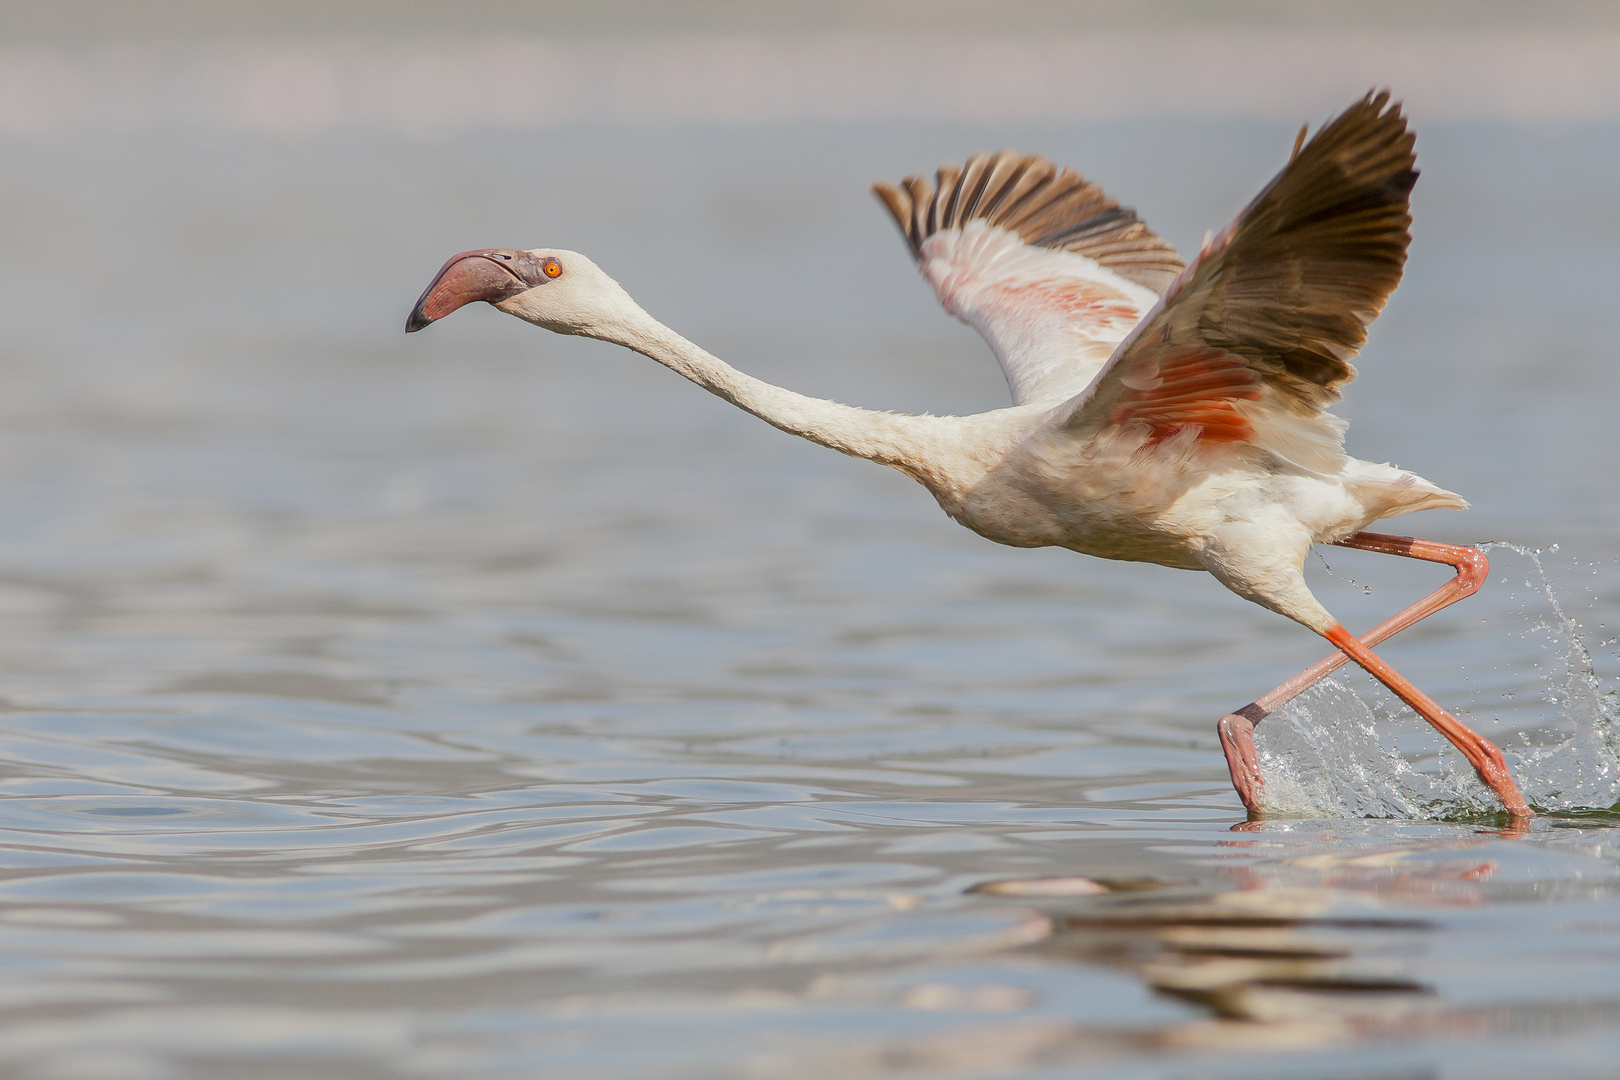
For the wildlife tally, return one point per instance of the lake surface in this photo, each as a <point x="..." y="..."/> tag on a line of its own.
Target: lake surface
<point x="487" y="704"/>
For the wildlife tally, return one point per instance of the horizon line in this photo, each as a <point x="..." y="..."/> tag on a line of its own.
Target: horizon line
<point x="426" y="88"/>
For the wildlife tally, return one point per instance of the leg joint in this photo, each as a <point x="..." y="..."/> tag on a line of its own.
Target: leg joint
<point x="1472" y="569"/>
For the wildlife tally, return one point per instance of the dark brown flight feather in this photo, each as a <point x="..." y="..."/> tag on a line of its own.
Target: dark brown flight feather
<point x="1291" y="285"/>
<point x="1027" y="195"/>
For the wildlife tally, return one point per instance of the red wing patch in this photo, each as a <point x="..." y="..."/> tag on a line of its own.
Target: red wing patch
<point x="1191" y="388"/>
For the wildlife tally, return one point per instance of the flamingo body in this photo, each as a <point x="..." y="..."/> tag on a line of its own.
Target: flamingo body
<point x="1163" y="412"/>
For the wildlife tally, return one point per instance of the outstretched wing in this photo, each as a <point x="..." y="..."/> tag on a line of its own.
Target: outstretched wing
<point x="1050" y="270"/>
<point x="1255" y="338"/>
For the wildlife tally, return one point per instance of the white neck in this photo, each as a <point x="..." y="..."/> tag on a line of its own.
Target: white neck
<point x="910" y="443"/>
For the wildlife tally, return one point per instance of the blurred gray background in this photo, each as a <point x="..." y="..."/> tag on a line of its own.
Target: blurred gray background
<point x="485" y="703"/>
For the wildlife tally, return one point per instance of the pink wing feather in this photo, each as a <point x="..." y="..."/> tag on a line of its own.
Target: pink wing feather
<point x="1049" y="269"/>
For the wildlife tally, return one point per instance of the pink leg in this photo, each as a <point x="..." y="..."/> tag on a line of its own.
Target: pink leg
<point x="1237" y="728"/>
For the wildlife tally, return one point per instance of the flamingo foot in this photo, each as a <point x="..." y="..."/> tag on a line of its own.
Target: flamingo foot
<point x="1237" y="739"/>
<point x="1492" y="769"/>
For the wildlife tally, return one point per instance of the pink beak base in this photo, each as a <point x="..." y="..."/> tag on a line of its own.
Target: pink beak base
<point x="489" y="274"/>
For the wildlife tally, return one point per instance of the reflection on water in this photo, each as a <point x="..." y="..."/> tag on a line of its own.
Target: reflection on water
<point x="488" y="704"/>
<point x="1337" y="937"/>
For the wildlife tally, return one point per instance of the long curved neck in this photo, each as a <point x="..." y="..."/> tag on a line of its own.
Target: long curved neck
<point x="910" y="443"/>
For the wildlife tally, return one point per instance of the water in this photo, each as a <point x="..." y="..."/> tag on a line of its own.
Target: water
<point x="488" y="704"/>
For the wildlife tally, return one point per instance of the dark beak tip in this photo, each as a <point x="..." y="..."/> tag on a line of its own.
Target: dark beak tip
<point x="417" y="321"/>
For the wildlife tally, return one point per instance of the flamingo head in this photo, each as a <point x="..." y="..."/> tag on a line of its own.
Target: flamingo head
<point x="562" y="291"/>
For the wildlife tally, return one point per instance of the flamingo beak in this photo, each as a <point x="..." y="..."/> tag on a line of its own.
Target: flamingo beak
<point x="489" y="274"/>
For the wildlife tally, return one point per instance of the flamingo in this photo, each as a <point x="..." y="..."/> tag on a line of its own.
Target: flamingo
<point x="1162" y="412"/>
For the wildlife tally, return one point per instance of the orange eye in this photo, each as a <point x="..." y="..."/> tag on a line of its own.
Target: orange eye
<point x="552" y="267"/>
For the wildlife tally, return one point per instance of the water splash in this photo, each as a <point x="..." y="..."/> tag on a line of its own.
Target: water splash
<point x="1582" y="772"/>
<point x="1322" y="754"/>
